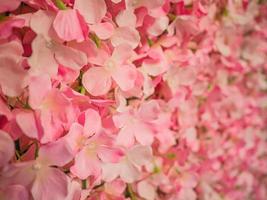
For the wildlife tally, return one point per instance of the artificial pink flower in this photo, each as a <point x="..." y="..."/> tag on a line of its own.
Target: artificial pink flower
<point x="40" y="175"/>
<point x="98" y="80"/>
<point x="90" y="146"/>
<point x="128" y="169"/>
<point x="43" y="49"/>
<point x="133" y="126"/>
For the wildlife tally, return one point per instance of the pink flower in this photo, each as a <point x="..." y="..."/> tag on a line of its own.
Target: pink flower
<point x="54" y="112"/>
<point x="90" y="146"/>
<point x="118" y="67"/>
<point x="128" y="169"/>
<point x="39" y="176"/>
<point x="47" y="55"/>
<point x="133" y="125"/>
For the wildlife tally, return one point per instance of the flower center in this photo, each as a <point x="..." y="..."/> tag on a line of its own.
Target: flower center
<point x="36" y="166"/>
<point x="110" y="65"/>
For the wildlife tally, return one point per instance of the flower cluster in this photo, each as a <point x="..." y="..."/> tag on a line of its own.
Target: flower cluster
<point x="133" y="99"/>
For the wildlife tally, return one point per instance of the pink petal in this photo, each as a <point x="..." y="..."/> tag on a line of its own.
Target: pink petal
<point x="38" y="88"/>
<point x="121" y="120"/>
<point x="12" y="77"/>
<point x="125" y="76"/>
<point x="116" y="187"/>
<point x="122" y="53"/>
<point x="146" y="190"/>
<point x="70" y="57"/>
<point x="140" y="155"/>
<point x="74" y="136"/>
<point x="74" y="191"/>
<point x="7" y="148"/>
<point x="167" y="139"/>
<point x="44" y="28"/>
<point x="92" y="122"/>
<point x="11" y="5"/>
<point x="144" y="137"/>
<point x="42" y="59"/>
<point x="20" y="173"/>
<point x="12" y="49"/>
<point x="125" y="35"/>
<point x="86" y="164"/>
<point x="109" y="154"/>
<point x="103" y="30"/>
<point x="67" y="25"/>
<point x="97" y="81"/>
<point x="128" y="172"/>
<point x="16" y="192"/>
<point x="93" y="11"/>
<point x="126" y="18"/>
<point x="125" y="137"/>
<point x="110" y="171"/>
<point x="55" y="153"/>
<point x="27" y="123"/>
<point x="159" y="26"/>
<point x="50" y="183"/>
<point x="151" y="4"/>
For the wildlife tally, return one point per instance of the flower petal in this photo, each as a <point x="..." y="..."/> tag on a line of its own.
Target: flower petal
<point x="92" y="122"/>
<point x="140" y="155"/>
<point x="143" y="133"/>
<point x="128" y="172"/>
<point x="7" y="148"/>
<point x="110" y="171"/>
<point x="125" y="35"/>
<point x="39" y="86"/>
<point x="70" y="57"/>
<point x="86" y="164"/>
<point x="50" y="183"/>
<point x="42" y="59"/>
<point x="55" y="153"/>
<point x="109" y="154"/>
<point x="16" y="192"/>
<point x="146" y="190"/>
<point x="103" y="30"/>
<point x="93" y="11"/>
<point x="125" y="137"/>
<point x="125" y="76"/>
<point x="67" y="25"/>
<point x="97" y="81"/>
<point x="27" y="123"/>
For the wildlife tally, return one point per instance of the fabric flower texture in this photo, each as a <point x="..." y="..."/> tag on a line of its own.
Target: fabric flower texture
<point x="133" y="100"/>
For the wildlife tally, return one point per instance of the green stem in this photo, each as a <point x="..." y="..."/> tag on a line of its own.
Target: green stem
<point x="36" y="152"/>
<point x="61" y="5"/>
<point x="130" y="193"/>
<point x="84" y="184"/>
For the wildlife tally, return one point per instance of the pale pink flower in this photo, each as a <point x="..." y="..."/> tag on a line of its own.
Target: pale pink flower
<point x="39" y="176"/>
<point x="90" y="146"/>
<point x="128" y="169"/>
<point x="98" y="80"/>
